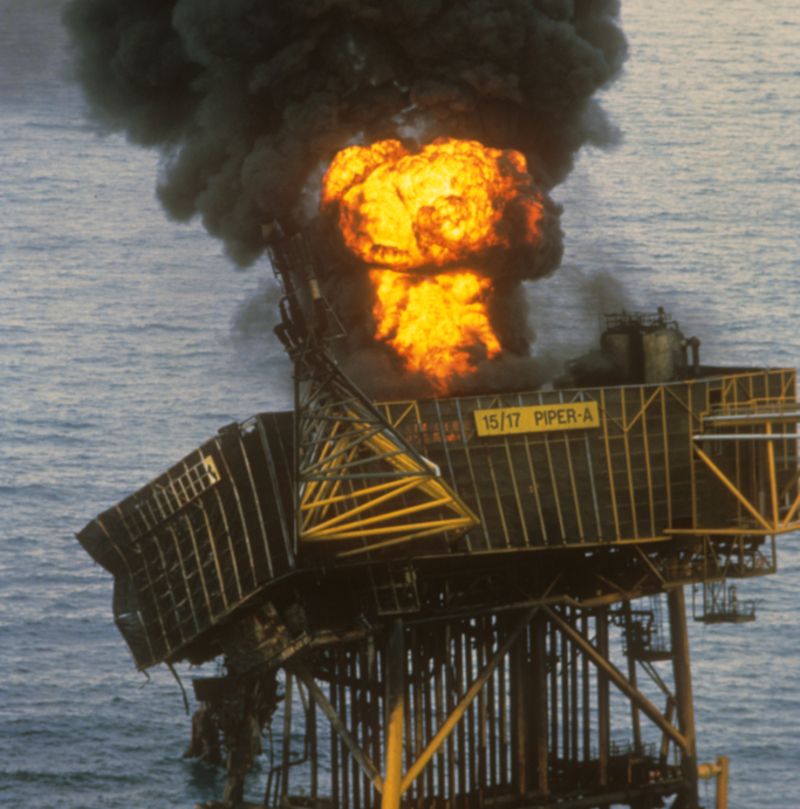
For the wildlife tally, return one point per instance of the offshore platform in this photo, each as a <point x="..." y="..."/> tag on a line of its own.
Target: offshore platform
<point x="467" y="602"/>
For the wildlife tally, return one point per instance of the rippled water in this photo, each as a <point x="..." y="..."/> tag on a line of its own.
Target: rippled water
<point x="127" y="340"/>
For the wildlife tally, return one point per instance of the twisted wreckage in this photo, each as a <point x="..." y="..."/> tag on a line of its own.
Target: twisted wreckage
<point x="446" y="589"/>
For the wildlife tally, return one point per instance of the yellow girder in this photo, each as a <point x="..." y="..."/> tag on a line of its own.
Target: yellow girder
<point x="361" y="481"/>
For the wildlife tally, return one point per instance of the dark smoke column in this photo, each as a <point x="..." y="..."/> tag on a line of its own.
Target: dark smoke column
<point x="246" y="98"/>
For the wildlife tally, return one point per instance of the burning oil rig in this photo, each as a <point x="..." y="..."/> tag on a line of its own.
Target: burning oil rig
<point x="438" y="596"/>
<point x="469" y="595"/>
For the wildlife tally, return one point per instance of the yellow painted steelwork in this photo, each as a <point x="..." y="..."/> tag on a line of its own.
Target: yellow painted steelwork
<point x="714" y="455"/>
<point x="704" y="457"/>
<point x="719" y="771"/>
<point x="474" y="689"/>
<point x="360" y="481"/>
<point x="395" y="699"/>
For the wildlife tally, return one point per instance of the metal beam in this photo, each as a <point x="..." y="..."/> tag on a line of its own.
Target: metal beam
<point x="683" y="692"/>
<point x="745" y="436"/>
<point x="619" y="680"/>
<point x="395" y="696"/>
<point x="445" y="730"/>
<point x="338" y="725"/>
<point x="733" y="490"/>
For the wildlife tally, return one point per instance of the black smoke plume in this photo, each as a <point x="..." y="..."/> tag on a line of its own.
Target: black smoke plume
<point x="245" y="98"/>
<point x="248" y="99"/>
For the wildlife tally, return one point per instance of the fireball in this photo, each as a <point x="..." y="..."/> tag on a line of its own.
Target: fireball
<point x="449" y="202"/>
<point x="437" y="324"/>
<point x="416" y="219"/>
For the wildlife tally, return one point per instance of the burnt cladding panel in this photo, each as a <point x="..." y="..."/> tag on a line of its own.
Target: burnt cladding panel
<point x="647" y="433"/>
<point x="268" y="442"/>
<point x="154" y="558"/>
<point x="681" y="412"/>
<point x="620" y="492"/>
<point x="529" y="491"/>
<point x="193" y="544"/>
<point x="746" y="462"/>
<point x="474" y="471"/>
<point x="539" y="529"/>
<point x="252" y="563"/>
<point x="628" y="478"/>
<point x="783" y="385"/>
<point x="215" y="530"/>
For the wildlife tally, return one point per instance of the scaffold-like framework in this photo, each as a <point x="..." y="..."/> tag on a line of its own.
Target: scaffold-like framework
<point x="464" y="616"/>
<point x="359" y="480"/>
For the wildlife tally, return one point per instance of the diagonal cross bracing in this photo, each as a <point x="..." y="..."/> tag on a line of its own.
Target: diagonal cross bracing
<point x="358" y="477"/>
<point x="619" y="680"/>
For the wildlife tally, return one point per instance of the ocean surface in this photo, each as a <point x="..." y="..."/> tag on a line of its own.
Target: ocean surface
<point x="126" y="340"/>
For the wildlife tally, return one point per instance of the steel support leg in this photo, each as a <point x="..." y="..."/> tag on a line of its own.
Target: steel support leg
<point x="683" y="694"/>
<point x="539" y="662"/>
<point x="636" y="724"/>
<point x="395" y="678"/>
<point x="603" y="698"/>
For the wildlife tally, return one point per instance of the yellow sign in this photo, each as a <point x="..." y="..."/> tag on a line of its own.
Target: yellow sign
<point x="537" y="418"/>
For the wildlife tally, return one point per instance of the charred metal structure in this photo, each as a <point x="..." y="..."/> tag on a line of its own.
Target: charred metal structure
<point x="473" y="602"/>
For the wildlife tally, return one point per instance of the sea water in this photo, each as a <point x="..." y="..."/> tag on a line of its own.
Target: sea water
<point x="127" y="340"/>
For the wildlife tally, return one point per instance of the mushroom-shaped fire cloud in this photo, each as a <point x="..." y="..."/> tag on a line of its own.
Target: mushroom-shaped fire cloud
<point x="451" y="201"/>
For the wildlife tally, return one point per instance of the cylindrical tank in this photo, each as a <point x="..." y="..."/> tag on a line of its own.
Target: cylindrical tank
<point x="623" y="350"/>
<point x="664" y="356"/>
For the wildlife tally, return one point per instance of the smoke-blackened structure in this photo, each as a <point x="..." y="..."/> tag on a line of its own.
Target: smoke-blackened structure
<point x="249" y="101"/>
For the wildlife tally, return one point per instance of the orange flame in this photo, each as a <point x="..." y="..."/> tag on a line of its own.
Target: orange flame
<point x="428" y="211"/>
<point x="449" y="201"/>
<point x="436" y="323"/>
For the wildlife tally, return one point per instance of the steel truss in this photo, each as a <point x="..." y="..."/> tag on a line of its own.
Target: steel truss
<point x="358" y="483"/>
<point x="359" y="480"/>
<point x="510" y="711"/>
